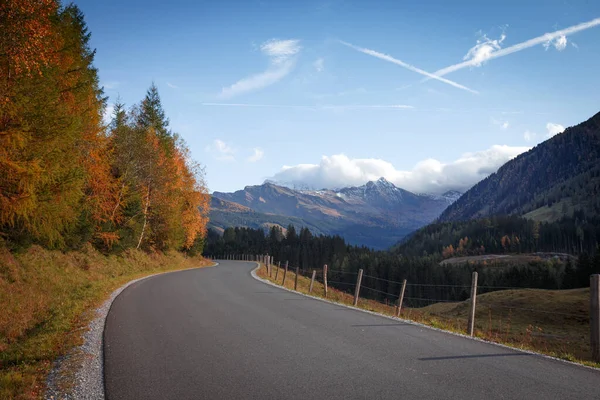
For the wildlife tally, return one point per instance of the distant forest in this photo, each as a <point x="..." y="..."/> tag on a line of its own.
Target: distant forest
<point x="418" y="259"/>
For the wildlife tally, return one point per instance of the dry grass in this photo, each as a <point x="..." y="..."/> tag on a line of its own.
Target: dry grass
<point x="503" y="317"/>
<point x="46" y="297"/>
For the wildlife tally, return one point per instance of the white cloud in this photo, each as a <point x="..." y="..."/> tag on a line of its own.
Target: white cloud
<point x="427" y="176"/>
<point x="554" y="129"/>
<point x="505" y="125"/>
<point x="393" y="60"/>
<point x="169" y="84"/>
<point x="483" y="49"/>
<point x="221" y="150"/>
<point x="319" y="64"/>
<point x="282" y="61"/>
<point x="545" y="38"/>
<point x="280" y="50"/>
<point x="529" y="136"/>
<point x="257" y="154"/>
<point x="551" y="128"/>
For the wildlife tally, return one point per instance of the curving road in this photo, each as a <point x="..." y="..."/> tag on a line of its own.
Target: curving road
<point x="217" y="333"/>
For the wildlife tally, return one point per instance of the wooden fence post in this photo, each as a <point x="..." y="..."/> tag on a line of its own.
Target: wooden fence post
<point x="401" y="298"/>
<point x="312" y="281"/>
<point x="277" y="270"/>
<point x="471" y="323"/>
<point x="325" y="278"/>
<point x="595" y="316"/>
<point x="357" y="288"/>
<point x="284" y="273"/>
<point x="296" y="278"/>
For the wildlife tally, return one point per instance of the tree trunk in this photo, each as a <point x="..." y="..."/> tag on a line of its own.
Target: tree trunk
<point x="145" y="218"/>
<point x="112" y="217"/>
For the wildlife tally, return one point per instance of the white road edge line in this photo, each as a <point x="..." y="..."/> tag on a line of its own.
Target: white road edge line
<point x="253" y="273"/>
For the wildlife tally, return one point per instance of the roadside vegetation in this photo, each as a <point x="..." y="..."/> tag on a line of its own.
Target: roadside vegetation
<point x="504" y="316"/>
<point x="48" y="298"/>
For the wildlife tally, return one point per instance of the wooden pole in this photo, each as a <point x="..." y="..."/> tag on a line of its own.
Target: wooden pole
<point x="595" y="316"/>
<point x="325" y="278"/>
<point x="401" y="298"/>
<point x="296" y="278"/>
<point x="277" y="270"/>
<point x="312" y="281"/>
<point x="357" y="288"/>
<point x="284" y="273"/>
<point x="471" y="323"/>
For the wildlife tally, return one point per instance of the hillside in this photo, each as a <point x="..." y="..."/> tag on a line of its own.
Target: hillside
<point x="376" y="214"/>
<point x="224" y="214"/>
<point x="556" y="178"/>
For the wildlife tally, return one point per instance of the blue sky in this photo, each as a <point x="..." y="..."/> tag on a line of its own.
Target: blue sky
<point x="341" y="92"/>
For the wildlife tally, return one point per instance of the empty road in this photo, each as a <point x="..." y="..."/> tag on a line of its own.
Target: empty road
<point x="217" y="333"/>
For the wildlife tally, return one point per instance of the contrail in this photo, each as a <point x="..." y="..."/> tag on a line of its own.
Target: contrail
<point x="317" y="107"/>
<point x="521" y="46"/>
<point x="393" y="60"/>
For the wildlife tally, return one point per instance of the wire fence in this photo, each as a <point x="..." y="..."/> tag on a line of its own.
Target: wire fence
<point x="552" y="320"/>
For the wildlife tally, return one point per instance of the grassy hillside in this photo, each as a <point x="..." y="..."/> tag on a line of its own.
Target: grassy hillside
<point x="46" y="299"/>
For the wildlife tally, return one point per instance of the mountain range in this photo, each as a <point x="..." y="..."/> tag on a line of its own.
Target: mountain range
<point x="377" y="214"/>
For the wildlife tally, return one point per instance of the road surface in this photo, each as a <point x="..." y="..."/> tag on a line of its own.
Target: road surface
<point x="217" y="333"/>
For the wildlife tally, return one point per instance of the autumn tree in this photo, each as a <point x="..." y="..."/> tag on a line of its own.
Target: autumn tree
<point x="162" y="193"/>
<point x="50" y="127"/>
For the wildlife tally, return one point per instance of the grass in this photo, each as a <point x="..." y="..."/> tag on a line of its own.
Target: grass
<point x="47" y="298"/>
<point x="504" y="317"/>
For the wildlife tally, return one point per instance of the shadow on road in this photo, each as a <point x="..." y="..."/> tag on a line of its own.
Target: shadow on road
<point x="474" y="356"/>
<point x="376" y="325"/>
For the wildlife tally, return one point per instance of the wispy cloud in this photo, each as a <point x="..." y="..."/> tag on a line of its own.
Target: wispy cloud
<point x="282" y="61"/>
<point x="319" y="64"/>
<point x="169" y="84"/>
<point x="111" y="85"/>
<point x="560" y="43"/>
<point x="257" y="154"/>
<point x="221" y="150"/>
<point x="496" y="52"/>
<point x="401" y="63"/>
<point x="501" y="124"/>
<point x="483" y="49"/>
<point x="316" y="107"/>
<point x="554" y="129"/>
<point x="529" y="136"/>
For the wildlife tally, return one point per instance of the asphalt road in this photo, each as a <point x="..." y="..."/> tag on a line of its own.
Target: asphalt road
<point x="217" y="333"/>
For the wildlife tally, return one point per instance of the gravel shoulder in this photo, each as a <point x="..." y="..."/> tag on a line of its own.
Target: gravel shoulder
<point x="80" y="374"/>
